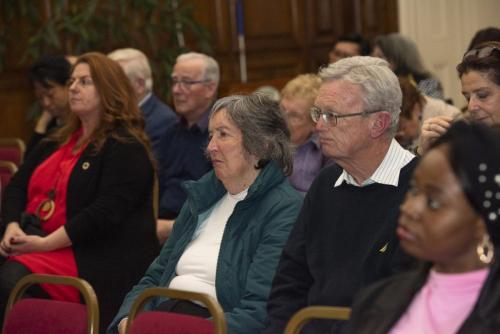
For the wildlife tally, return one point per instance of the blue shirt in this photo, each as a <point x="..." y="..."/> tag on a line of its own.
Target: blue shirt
<point x="157" y="118"/>
<point x="307" y="162"/>
<point x="182" y="158"/>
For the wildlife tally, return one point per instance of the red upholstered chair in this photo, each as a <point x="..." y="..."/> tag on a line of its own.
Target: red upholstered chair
<point x="12" y="149"/>
<point x="156" y="322"/>
<point x="40" y="316"/>
<point x="299" y="319"/>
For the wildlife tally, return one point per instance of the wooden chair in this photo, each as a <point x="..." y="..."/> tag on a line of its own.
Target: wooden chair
<point x="156" y="322"/>
<point x="38" y="316"/>
<point x="12" y="149"/>
<point x="299" y="319"/>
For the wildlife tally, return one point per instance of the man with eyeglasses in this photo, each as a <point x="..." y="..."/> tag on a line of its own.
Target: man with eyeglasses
<point x="195" y="79"/>
<point x="345" y="237"/>
<point x="157" y="115"/>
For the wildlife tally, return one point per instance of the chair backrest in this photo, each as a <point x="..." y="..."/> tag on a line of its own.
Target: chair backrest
<point x="38" y="316"/>
<point x="12" y="149"/>
<point x="7" y="170"/>
<point x="154" y="322"/>
<point x="299" y="319"/>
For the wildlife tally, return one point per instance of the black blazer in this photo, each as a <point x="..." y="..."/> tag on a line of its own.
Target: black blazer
<point x="110" y="218"/>
<point x="378" y="307"/>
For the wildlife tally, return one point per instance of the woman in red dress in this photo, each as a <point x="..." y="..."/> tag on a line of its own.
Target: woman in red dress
<point x="89" y="187"/>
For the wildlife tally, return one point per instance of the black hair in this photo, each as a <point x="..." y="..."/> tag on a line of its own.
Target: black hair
<point x="484" y="35"/>
<point x="364" y="46"/>
<point x="489" y="64"/>
<point x="473" y="152"/>
<point x="47" y="68"/>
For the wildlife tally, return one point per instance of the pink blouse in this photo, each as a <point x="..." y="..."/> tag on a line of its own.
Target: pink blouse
<point x="443" y="303"/>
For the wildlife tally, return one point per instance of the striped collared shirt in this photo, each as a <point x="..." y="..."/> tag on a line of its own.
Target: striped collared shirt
<point x="387" y="172"/>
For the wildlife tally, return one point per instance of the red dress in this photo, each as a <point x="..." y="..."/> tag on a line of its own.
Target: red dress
<point x="53" y="174"/>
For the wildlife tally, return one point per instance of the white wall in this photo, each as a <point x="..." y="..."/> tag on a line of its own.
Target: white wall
<point x="442" y="30"/>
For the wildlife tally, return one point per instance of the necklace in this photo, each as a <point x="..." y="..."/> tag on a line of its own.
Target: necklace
<point x="45" y="210"/>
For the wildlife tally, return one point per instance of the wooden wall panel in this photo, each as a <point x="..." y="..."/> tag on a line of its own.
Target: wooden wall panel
<point x="15" y="100"/>
<point x="283" y="38"/>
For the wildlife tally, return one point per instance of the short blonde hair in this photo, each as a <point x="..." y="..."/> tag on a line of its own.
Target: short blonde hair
<point x="304" y="86"/>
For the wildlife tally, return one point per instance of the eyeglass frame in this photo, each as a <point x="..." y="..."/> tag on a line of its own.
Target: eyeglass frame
<point x="325" y="114"/>
<point x="481" y="52"/>
<point x="83" y="81"/>
<point x="187" y="84"/>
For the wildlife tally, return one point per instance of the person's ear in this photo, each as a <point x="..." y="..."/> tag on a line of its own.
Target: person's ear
<point x="479" y="228"/>
<point x="211" y="90"/>
<point x="416" y="112"/>
<point x="380" y="123"/>
<point x="139" y="86"/>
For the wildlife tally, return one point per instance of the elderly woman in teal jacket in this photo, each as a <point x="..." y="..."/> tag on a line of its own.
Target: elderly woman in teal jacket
<point x="228" y="238"/>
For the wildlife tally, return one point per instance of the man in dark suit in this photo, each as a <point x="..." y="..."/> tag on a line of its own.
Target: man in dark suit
<point x="157" y="114"/>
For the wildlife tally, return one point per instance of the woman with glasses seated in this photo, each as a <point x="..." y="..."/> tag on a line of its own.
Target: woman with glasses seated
<point x="450" y="220"/>
<point x="227" y="240"/>
<point x="479" y="73"/>
<point x="81" y="204"/>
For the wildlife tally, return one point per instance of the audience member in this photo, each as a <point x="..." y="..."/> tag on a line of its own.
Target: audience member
<point x="479" y="73"/>
<point x="195" y="79"/>
<point x="79" y="206"/>
<point x="405" y="60"/>
<point x="297" y="99"/>
<point x="49" y="75"/>
<point x="349" y="45"/>
<point x="228" y="238"/>
<point x="417" y="108"/>
<point x="449" y="219"/>
<point x="490" y="34"/>
<point x="345" y="236"/>
<point x="270" y="91"/>
<point x="157" y="115"/>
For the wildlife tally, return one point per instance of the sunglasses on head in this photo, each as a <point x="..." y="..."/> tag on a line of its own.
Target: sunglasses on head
<point x="481" y="52"/>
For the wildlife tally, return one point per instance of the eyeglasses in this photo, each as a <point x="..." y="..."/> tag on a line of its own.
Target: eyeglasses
<point x="481" y="52"/>
<point x="331" y="118"/>
<point x="82" y="81"/>
<point x="186" y="84"/>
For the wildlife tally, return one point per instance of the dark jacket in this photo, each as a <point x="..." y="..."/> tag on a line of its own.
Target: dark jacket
<point x="378" y="307"/>
<point x="109" y="215"/>
<point x="157" y="118"/>
<point x="250" y="248"/>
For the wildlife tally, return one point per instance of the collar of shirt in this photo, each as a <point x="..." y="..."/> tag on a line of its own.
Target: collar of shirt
<point x="201" y="124"/>
<point x="388" y="170"/>
<point x="141" y="102"/>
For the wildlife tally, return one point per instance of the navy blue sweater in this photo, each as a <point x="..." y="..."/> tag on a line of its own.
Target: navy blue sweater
<point x="343" y="240"/>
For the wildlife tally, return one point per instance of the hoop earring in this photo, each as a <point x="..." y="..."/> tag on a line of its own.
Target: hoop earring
<point x="485" y="250"/>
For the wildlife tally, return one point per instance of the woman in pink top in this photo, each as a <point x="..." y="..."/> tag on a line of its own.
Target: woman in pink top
<point x="450" y="219"/>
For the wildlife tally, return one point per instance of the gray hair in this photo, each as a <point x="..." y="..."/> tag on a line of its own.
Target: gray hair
<point x="380" y="86"/>
<point x="135" y="64"/>
<point x="211" y="71"/>
<point x="403" y="53"/>
<point x="264" y="130"/>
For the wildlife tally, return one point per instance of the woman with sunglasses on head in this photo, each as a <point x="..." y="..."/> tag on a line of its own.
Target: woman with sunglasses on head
<point x="450" y="220"/>
<point x="479" y="73"/>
